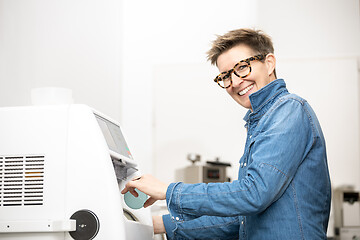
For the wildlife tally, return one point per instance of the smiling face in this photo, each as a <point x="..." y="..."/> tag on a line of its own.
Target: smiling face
<point x="262" y="73"/>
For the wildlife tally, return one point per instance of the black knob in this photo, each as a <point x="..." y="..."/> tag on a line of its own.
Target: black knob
<point x="87" y="225"/>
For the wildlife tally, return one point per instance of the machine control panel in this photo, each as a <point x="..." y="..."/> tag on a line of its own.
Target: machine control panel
<point x="113" y="136"/>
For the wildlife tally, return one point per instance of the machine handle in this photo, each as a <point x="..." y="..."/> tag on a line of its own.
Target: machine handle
<point x="37" y="226"/>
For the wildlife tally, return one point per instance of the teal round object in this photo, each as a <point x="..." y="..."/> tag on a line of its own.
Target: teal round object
<point x="135" y="202"/>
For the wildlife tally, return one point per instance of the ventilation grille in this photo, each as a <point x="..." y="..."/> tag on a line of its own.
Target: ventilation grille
<point x="21" y="180"/>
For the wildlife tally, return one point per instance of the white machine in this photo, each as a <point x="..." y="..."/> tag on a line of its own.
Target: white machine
<point x="346" y="202"/>
<point x="62" y="168"/>
<point x="212" y="171"/>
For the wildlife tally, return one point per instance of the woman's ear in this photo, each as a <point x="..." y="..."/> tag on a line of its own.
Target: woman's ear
<point x="270" y="61"/>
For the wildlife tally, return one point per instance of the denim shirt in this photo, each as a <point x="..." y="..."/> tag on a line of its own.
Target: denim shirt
<point x="283" y="190"/>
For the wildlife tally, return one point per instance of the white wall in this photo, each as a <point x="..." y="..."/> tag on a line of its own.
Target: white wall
<point x="168" y="32"/>
<point x="308" y="29"/>
<point x="61" y="43"/>
<point x="196" y="117"/>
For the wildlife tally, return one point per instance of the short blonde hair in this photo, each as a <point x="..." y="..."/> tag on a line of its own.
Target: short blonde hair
<point x="257" y="40"/>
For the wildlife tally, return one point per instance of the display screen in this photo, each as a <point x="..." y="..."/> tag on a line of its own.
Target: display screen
<point x="113" y="136"/>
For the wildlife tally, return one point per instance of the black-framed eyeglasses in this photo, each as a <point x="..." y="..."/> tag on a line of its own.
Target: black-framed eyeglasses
<point x="242" y="69"/>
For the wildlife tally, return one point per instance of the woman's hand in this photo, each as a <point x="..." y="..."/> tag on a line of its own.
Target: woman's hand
<point x="148" y="185"/>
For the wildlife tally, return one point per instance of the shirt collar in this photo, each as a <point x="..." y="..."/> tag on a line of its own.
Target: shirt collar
<point x="259" y="98"/>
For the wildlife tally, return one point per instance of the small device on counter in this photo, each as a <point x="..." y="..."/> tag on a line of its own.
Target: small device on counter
<point x="211" y="171"/>
<point x="346" y="204"/>
<point x="62" y="168"/>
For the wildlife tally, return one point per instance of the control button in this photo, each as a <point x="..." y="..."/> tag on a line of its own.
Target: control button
<point x="87" y="225"/>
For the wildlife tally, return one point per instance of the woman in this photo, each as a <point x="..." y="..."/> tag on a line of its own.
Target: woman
<point x="283" y="190"/>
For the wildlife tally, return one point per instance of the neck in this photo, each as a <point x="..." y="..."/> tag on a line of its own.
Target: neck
<point x="272" y="77"/>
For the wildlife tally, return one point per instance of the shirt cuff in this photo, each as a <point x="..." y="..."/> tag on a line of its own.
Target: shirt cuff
<point x="170" y="226"/>
<point x="173" y="200"/>
<point x="171" y="220"/>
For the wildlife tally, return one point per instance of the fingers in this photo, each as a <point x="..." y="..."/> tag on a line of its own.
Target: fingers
<point x="125" y="190"/>
<point x="148" y="185"/>
<point x="133" y="192"/>
<point x="149" y="202"/>
<point x="130" y="187"/>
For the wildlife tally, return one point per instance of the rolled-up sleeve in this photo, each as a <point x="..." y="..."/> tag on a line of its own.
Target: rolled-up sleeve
<point x="202" y="228"/>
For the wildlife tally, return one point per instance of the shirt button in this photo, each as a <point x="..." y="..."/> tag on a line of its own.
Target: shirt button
<point x="250" y="136"/>
<point x="172" y="218"/>
<point x="242" y="222"/>
<point x="177" y="218"/>
<point x="244" y="164"/>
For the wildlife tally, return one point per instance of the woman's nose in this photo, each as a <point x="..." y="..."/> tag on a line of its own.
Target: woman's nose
<point x="236" y="80"/>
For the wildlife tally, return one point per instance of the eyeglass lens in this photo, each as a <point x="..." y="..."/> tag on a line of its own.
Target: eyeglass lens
<point x="224" y="80"/>
<point x="241" y="70"/>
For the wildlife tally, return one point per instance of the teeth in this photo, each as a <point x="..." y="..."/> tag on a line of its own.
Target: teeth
<point x="246" y="90"/>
